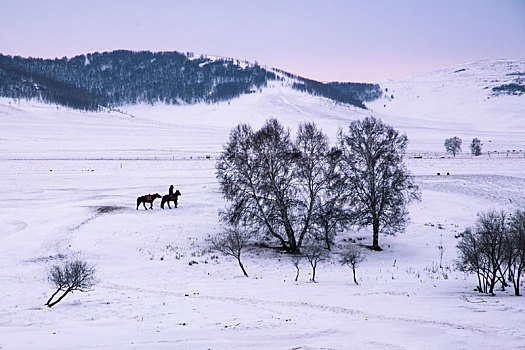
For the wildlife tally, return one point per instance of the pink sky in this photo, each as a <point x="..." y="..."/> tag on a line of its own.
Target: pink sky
<point x="325" y="40"/>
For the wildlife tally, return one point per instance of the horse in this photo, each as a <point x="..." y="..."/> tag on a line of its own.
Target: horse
<point x="149" y="198"/>
<point x="167" y="198"/>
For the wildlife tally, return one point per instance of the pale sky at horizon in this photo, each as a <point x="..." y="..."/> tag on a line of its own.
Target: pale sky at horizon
<point x="324" y="40"/>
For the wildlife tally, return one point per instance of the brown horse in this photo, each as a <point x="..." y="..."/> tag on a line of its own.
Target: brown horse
<point x="149" y="198"/>
<point x="167" y="198"/>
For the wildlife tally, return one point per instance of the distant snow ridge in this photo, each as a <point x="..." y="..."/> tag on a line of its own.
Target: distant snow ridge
<point x="487" y="95"/>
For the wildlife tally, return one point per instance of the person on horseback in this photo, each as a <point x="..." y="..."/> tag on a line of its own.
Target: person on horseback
<point x="171" y="191"/>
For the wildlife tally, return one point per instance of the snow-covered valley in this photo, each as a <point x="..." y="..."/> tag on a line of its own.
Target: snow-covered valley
<point x="69" y="181"/>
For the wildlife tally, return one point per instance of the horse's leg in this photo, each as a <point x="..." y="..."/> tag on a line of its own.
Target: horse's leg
<point x="175" y="202"/>
<point x="144" y="204"/>
<point x="169" y="206"/>
<point x="138" y="203"/>
<point x="162" y="203"/>
<point x="151" y="205"/>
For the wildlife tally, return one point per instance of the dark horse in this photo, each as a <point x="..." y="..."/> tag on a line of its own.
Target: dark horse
<point x="149" y="198"/>
<point x="167" y="198"/>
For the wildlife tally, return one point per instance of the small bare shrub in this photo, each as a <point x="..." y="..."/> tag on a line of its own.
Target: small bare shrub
<point x="72" y="276"/>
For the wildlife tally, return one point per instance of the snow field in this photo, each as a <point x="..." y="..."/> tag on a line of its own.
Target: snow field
<point x="160" y="287"/>
<point x="69" y="181"/>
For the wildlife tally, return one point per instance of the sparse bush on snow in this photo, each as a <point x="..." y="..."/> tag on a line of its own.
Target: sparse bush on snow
<point x="71" y="276"/>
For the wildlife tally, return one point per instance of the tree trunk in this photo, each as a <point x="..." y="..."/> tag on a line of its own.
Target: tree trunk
<point x="313" y="272"/>
<point x="375" y="243"/>
<point x="516" y="281"/>
<point x="52" y="296"/>
<point x="493" y="280"/>
<point x="297" y="276"/>
<point x="59" y="299"/>
<point x="480" y="288"/>
<point x="242" y="267"/>
<point x="353" y="270"/>
<point x="327" y="236"/>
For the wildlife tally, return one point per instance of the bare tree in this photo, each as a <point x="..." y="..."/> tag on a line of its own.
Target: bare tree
<point x="482" y="250"/>
<point x="352" y="257"/>
<point x="315" y="253"/>
<point x="516" y="249"/>
<point x="72" y="276"/>
<point x="232" y="241"/>
<point x="273" y="183"/>
<point x="332" y="213"/>
<point x="453" y="145"/>
<point x="374" y="172"/>
<point x="475" y="146"/>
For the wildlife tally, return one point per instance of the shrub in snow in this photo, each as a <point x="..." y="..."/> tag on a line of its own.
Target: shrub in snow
<point x="72" y="276"/>
<point x="352" y="257"/>
<point x="453" y="145"/>
<point x="374" y="172"/>
<point x="232" y="241"/>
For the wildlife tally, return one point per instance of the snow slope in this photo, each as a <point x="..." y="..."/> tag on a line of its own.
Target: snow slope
<point x="69" y="181"/>
<point x="459" y="100"/>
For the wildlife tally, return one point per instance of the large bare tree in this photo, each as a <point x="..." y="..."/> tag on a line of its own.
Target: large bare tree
<point x="374" y="171"/>
<point x="271" y="182"/>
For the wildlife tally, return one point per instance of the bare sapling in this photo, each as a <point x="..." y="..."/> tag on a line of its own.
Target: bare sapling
<point x="296" y="260"/>
<point x="352" y="257"/>
<point x="232" y="241"/>
<point x="315" y="253"/>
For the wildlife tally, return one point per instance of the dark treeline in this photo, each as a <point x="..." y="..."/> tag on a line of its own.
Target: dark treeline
<point x="510" y="89"/>
<point x="361" y="91"/>
<point x="17" y="83"/>
<point x="121" y="77"/>
<point x="350" y="93"/>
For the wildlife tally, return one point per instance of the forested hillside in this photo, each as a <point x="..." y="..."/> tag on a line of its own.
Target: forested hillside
<point x="125" y="77"/>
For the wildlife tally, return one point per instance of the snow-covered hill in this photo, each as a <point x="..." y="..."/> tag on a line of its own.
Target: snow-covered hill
<point x="460" y="100"/>
<point x="428" y="107"/>
<point x="69" y="181"/>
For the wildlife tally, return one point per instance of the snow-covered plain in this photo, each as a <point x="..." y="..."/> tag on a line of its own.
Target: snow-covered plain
<point x="69" y="180"/>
